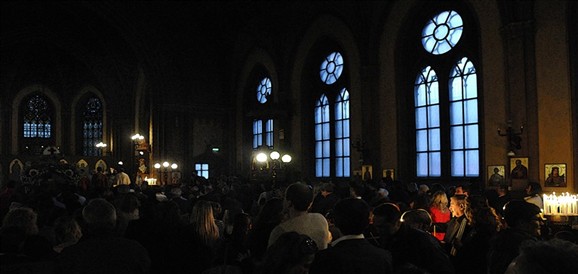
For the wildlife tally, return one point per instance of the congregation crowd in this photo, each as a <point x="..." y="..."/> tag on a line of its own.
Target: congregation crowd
<point x="226" y="225"/>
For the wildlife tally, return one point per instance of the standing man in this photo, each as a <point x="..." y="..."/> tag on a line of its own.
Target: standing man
<point x="352" y="253"/>
<point x="122" y="178"/>
<point x="298" y="199"/>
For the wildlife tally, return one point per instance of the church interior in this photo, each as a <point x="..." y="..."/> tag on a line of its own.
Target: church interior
<point x="423" y="91"/>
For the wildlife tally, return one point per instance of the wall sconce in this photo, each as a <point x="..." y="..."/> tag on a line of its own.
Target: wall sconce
<point x="514" y="138"/>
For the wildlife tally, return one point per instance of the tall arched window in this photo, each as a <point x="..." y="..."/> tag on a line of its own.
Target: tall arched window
<point x="332" y="137"/>
<point x="446" y="101"/>
<point x="92" y="127"/>
<point x="263" y="128"/>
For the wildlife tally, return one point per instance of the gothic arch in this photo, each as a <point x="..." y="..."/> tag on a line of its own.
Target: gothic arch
<point x="74" y="130"/>
<point x="258" y="57"/>
<point x="335" y="30"/>
<point x="16" y="119"/>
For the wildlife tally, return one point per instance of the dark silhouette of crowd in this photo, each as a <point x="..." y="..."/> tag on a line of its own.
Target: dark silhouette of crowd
<point x="228" y="225"/>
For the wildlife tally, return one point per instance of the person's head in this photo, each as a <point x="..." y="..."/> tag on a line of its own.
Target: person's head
<point x="203" y="221"/>
<point x="387" y="219"/>
<point x="22" y="218"/>
<point x="99" y="169"/>
<point x="533" y="188"/>
<point x="423" y="189"/>
<point x="523" y="216"/>
<point x="518" y="162"/>
<point x="298" y="196"/>
<point x="351" y="216"/>
<point x="503" y="190"/>
<point x="292" y="253"/>
<point x="555" y="171"/>
<point x="67" y="230"/>
<point x="458" y="205"/>
<point x="543" y="257"/>
<point x="463" y="189"/>
<point x="271" y="212"/>
<point x="99" y="213"/>
<point x="326" y="189"/>
<point x="356" y="188"/>
<point x="417" y="218"/>
<point x="496" y="170"/>
<point x="440" y="200"/>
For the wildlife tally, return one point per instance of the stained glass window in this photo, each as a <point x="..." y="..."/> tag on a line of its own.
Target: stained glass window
<point x="37" y="121"/>
<point x="92" y="127"/>
<point x="257" y="133"/>
<point x="264" y="90"/>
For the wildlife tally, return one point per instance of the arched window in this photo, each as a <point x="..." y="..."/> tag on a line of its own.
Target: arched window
<point x="332" y="137"/>
<point x="446" y="101"/>
<point x="263" y="128"/>
<point x="92" y="127"/>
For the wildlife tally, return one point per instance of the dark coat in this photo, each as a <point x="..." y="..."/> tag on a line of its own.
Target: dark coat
<point x="104" y="253"/>
<point x="352" y="256"/>
<point x="418" y="248"/>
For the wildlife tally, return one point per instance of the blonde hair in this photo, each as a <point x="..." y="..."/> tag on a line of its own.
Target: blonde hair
<point x="203" y="222"/>
<point x="440" y="201"/>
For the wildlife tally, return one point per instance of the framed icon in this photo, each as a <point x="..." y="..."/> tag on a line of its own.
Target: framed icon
<point x="496" y="175"/>
<point x="519" y="168"/>
<point x="555" y="175"/>
<point x="389" y="174"/>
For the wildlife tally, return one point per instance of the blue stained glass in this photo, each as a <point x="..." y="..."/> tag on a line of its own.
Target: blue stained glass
<point x="346" y="144"/>
<point x="318" y="168"/>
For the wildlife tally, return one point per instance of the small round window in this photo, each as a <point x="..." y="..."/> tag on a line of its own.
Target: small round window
<point x="442" y="32"/>
<point x="331" y="68"/>
<point x="264" y="90"/>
